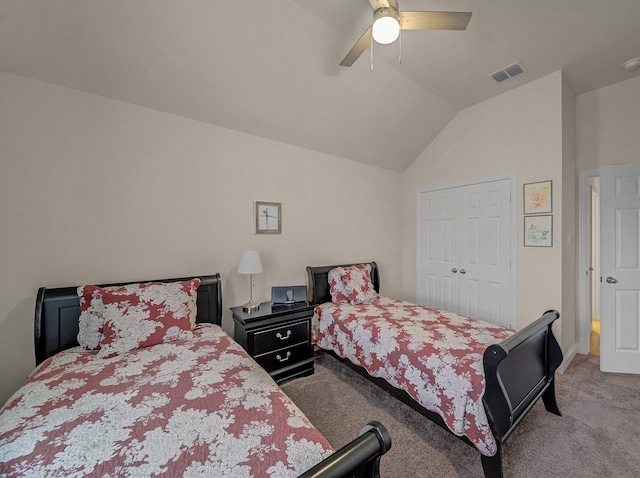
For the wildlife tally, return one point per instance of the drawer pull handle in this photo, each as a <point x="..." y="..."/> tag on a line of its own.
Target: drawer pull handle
<point x="284" y="337"/>
<point x="280" y="359"/>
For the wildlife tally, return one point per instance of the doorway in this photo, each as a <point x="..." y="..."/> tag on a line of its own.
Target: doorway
<point x="609" y="265"/>
<point x="594" y="266"/>
<point x="587" y="278"/>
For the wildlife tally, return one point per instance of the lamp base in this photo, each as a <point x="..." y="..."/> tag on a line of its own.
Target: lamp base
<point x="251" y="306"/>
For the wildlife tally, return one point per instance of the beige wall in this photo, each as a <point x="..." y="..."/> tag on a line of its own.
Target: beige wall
<point x="519" y="132"/>
<point x="569" y="240"/>
<point x="608" y="126"/>
<point x="94" y="190"/>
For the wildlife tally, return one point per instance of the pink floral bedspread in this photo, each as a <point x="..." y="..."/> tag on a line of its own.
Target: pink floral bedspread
<point x="434" y="356"/>
<point x="198" y="407"/>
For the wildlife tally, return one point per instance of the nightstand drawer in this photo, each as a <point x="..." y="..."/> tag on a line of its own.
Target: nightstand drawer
<point x="281" y="337"/>
<point x="285" y="357"/>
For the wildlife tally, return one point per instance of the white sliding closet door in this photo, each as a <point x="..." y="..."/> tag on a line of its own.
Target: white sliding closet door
<point x="465" y="250"/>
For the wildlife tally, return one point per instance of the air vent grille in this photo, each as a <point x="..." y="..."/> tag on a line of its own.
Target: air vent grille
<point x="508" y="72"/>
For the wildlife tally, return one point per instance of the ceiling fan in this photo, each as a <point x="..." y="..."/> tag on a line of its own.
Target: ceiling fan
<point x="388" y="21"/>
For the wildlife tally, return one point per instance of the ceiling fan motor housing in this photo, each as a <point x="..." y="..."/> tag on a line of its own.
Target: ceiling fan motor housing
<point x="386" y="23"/>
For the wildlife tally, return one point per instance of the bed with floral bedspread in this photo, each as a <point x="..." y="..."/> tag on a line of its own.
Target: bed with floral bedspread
<point x="473" y="378"/>
<point x="154" y="389"/>
<point x="433" y="355"/>
<point x="182" y="408"/>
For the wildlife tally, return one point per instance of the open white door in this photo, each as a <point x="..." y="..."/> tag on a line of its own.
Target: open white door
<point x="620" y="267"/>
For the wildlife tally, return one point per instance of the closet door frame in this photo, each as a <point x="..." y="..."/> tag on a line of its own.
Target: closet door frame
<point x="421" y="281"/>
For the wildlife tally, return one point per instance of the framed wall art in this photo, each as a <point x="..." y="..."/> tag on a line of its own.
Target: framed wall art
<point x="538" y="231"/>
<point x="268" y="217"/>
<point x="537" y="197"/>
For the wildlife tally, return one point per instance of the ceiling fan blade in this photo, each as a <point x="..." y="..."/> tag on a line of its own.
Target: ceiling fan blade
<point x="375" y="4"/>
<point x="434" y="20"/>
<point x="361" y="45"/>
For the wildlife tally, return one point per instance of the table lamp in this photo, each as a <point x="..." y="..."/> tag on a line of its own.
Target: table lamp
<point x="250" y="263"/>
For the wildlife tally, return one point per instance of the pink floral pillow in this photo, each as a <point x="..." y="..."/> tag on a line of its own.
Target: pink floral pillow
<point x="136" y="315"/>
<point x="91" y="319"/>
<point x="352" y="285"/>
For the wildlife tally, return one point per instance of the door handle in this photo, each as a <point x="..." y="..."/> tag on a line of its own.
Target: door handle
<point x="454" y="270"/>
<point x="462" y="271"/>
<point x="611" y="280"/>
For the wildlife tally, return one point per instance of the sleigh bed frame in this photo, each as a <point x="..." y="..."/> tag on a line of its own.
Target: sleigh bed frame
<point x="518" y="371"/>
<point x="56" y="328"/>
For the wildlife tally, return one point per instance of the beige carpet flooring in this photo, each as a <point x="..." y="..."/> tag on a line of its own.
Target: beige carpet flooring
<point x="597" y="436"/>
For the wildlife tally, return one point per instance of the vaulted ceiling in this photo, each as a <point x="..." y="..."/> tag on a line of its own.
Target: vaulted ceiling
<point x="270" y="68"/>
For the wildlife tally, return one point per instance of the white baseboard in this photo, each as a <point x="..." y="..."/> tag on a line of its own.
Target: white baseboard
<point x="568" y="357"/>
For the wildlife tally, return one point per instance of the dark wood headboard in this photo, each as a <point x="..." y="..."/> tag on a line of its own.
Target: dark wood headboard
<point x="318" y="282"/>
<point x="58" y="311"/>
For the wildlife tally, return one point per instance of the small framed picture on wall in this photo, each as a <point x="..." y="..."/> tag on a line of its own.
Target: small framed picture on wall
<point x="537" y="197"/>
<point x="538" y="231"/>
<point x="268" y="217"/>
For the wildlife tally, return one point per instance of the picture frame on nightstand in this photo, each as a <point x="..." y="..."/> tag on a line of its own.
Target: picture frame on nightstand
<point x="288" y="294"/>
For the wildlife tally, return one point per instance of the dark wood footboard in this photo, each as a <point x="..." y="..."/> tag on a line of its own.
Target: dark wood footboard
<point x="518" y="371"/>
<point x="359" y="458"/>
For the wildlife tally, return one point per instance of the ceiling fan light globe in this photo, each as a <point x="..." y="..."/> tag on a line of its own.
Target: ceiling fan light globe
<point x="386" y="29"/>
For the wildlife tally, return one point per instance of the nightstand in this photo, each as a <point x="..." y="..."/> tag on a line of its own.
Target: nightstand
<point x="278" y="337"/>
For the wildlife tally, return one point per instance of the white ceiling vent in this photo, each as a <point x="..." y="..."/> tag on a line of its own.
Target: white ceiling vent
<point x="508" y="72"/>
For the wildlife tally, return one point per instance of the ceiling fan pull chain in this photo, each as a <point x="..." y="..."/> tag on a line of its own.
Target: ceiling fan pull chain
<point x="400" y="48"/>
<point x="371" y="50"/>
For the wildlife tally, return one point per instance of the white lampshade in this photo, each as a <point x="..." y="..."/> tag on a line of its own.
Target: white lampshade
<point x="386" y="27"/>
<point x="250" y="263"/>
